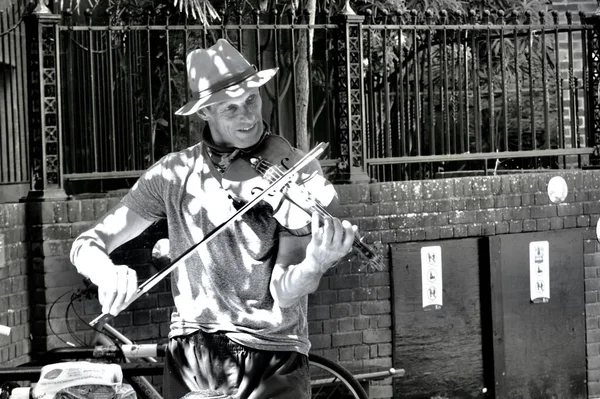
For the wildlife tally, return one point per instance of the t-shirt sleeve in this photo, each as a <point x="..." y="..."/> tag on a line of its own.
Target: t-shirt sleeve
<point x="147" y="196"/>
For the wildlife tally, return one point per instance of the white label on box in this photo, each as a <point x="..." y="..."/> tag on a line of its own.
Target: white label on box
<point x="431" y="271"/>
<point x="539" y="271"/>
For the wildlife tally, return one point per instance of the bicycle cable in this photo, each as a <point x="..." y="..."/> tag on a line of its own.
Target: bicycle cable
<point x="49" y="317"/>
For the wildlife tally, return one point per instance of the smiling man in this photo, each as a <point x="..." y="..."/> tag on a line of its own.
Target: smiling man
<point x="240" y="320"/>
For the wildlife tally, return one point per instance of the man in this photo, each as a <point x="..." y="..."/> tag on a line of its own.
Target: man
<point x="240" y="323"/>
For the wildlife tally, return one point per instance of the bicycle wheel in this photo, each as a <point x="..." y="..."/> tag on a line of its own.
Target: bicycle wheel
<point x="330" y="380"/>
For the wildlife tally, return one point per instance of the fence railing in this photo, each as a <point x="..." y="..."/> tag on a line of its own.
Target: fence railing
<point x="125" y="83"/>
<point x="488" y="97"/>
<point x="13" y="100"/>
<point x="399" y="96"/>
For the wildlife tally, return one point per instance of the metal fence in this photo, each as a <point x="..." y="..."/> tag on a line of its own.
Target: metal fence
<point x="126" y="81"/>
<point x="440" y="96"/>
<point x="13" y="100"/>
<point x="476" y="95"/>
<point x="469" y="93"/>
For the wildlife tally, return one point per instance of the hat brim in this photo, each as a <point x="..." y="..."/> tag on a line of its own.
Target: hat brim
<point x="256" y="80"/>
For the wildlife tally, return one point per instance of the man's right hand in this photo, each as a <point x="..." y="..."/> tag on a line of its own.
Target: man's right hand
<point x="117" y="286"/>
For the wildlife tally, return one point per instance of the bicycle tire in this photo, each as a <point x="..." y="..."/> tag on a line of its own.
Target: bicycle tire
<point x="334" y="381"/>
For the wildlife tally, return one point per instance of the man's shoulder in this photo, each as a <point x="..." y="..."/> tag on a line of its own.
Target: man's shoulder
<point x="186" y="157"/>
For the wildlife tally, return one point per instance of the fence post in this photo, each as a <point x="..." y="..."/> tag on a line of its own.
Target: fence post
<point x="45" y="133"/>
<point x="593" y="131"/>
<point x="350" y="107"/>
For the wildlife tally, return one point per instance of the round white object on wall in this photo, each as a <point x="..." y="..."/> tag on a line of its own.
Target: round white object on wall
<point x="557" y="189"/>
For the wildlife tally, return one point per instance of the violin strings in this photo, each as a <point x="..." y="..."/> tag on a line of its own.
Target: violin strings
<point x="277" y="173"/>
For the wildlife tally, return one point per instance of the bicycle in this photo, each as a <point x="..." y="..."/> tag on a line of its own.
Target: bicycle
<point x="328" y="379"/>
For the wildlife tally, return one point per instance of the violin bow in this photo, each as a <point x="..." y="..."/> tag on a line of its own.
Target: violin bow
<point x="277" y="185"/>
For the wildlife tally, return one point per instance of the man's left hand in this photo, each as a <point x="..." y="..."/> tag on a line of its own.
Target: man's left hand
<point x="330" y="242"/>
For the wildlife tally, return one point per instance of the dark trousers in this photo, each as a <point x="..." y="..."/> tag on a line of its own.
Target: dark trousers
<point x="212" y="362"/>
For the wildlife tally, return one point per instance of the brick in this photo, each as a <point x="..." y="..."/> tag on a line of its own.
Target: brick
<point x="384" y="292"/>
<point x="515" y="226"/>
<point x="592" y="309"/>
<point x="346" y="324"/>
<point x="315" y="327"/>
<point x="488" y="229"/>
<point x="474" y="230"/>
<point x="375" y="279"/>
<point x="414" y="206"/>
<point x="527" y="199"/>
<point x="433" y="189"/>
<point x="546" y="211"/>
<point x="593" y="362"/>
<point x="591" y="207"/>
<point x="446" y="232"/>
<point x="417" y="235"/>
<point x="529" y="225"/>
<point x="382" y="321"/>
<point x="87" y="210"/>
<point x="364" y="294"/>
<point x="592" y="284"/>
<point x="429" y="206"/>
<point x="583" y="221"/>
<point x="486" y="202"/>
<point x="340" y="310"/>
<point x="448" y="188"/>
<point x="347" y="338"/>
<point x="460" y="231"/>
<point x="462" y="217"/>
<point x="384" y="349"/>
<point x="541" y="199"/>
<point x="385" y="362"/>
<point x="375" y="307"/>
<point x="375" y="192"/>
<point x="346" y="354"/>
<point x="330" y="326"/>
<point x="318" y="313"/>
<point x="520" y="213"/>
<point x="593" y="350"/>
<point x="590" y="272"/>
<point x="459" y="204"/>
<point x="386" y="190"/>
<point x="361" y="323"/>
<point x="362" y="352"/>
<point x="472" y="203"/>
<point x="349" y="281"/>
<point x="591" y="260"/>
<point x="56" y="232"/>
<point x="74" y="211"/>
<point x="570" y="222"/>
<point x="569" y="209"/>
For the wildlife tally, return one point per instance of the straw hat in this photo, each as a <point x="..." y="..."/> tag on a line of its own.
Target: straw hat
<point x="220" y="73"/>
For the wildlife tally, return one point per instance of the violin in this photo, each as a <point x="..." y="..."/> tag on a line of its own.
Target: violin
<point x="271" y="172"/>
<point x="293" y="206"/>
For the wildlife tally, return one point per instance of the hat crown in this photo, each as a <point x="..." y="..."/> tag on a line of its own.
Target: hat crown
<point x="208" y="68"/>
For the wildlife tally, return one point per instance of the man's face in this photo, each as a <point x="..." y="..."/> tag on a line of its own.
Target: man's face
<point x="236" y="122"/>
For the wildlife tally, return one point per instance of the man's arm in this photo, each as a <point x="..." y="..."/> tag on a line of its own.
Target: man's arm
<point x="90" y="255"/>
<point x="302" y="261"/>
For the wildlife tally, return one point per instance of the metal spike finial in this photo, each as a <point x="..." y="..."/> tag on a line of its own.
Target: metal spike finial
<point x="347" y="9"/>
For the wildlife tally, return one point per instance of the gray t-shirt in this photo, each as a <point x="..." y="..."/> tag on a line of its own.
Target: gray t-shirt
<point x="224" y="285"/>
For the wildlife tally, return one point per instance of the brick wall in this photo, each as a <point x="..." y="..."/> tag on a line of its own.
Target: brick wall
<point x="444" y="209"/>
<point x="350" y="316"/>
<point x="14" y="297"/>
<point x="53" y="227"/>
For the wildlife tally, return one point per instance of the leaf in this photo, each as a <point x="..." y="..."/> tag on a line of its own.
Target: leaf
<point x="198" y="9"/>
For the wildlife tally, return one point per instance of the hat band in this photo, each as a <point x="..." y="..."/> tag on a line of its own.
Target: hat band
<point x="232" y="81"/>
